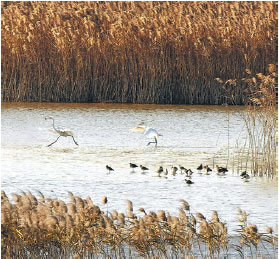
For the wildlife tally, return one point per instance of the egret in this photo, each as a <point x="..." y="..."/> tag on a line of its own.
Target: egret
<point x="64" y="133"/>
<point x="148" y="132"/>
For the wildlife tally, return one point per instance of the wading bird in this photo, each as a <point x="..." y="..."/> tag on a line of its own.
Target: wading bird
<point x="221" y="170"/>
<point x="64" y="133"/>
<point x="143" y="168"/>
<point x="174" y="170"/>
<point x="188" y="181"/>
<point x="244" y="175"/>
<point x="109" y="168"/>
<point x="199" y="168"/>
<point x="207" y="169"/>
<point x="133" y="166"/>
<point x="148" y="132"/>
<point x="182" y="168"/>
<point x="160" y="170"/>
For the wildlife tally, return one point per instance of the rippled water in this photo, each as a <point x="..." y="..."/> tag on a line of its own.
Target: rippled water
<point x="191" y="135"/>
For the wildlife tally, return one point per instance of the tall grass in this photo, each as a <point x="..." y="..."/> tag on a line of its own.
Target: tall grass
<point x="133" y="52"/>
<point x="43" y="227"/>
<point x="259" y="153"/>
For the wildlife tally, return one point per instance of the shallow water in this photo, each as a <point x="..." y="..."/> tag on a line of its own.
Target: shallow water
<point x="191" y="135"/>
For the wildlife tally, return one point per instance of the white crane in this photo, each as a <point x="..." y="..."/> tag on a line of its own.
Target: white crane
<point x="64" y="133"/>
<point x="148" y="132"/>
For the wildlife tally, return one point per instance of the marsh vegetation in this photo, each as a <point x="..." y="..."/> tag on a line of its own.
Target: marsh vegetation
<point x="133" y="52"/>
<point x="40" y="226"/>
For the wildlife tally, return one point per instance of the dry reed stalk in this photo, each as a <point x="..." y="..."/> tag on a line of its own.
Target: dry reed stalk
<point x="142" y="53"/>
<point x="57" y="229"/>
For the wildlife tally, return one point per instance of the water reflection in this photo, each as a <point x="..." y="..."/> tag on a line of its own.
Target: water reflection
<point x="191" y="135"/>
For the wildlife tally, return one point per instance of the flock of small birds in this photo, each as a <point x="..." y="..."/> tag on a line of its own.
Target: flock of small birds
<point x="206" y="170"/>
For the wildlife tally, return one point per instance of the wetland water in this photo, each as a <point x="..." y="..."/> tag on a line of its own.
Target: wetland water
<point x="191" y="135"/>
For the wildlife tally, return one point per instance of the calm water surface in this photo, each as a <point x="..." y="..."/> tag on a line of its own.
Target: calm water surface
<point x="191" y="135"/>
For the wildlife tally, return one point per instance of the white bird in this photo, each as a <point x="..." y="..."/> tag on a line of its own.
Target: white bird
<point x="64" y="133"/>
<point x="148" y="132"/>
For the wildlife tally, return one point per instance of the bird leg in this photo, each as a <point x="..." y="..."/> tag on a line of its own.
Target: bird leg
<point x="53" y="142"/>
<point x="155" y="142"/>
<point x="74" y="141"/>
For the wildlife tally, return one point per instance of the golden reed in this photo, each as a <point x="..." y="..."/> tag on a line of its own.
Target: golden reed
<point x="38" y="227"/>
<point x="133" y="52"/>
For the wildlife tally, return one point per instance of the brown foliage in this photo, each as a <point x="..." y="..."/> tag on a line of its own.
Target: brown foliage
<point x="132" y="52"/>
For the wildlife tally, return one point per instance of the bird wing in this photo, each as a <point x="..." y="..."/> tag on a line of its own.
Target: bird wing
<point x="151" y="133"/>
<point x="139" y="129"/>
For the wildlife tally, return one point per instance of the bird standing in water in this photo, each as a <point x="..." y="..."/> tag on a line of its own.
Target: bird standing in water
<point x="109" y="168"/>
<point x="188" y="181"/>
<point x="143" y="168"/>
<point x="61" y="132"/>
<point x="133" y="166"/>
<point x="199" y="168"/>
<point x="148" y="132"/>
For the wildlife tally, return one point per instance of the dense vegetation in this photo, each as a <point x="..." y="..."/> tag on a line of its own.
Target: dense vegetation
<point x="134" y="52"/>
<point x="39" y="227"/>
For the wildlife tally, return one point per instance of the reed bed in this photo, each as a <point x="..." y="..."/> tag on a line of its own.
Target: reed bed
<point x="133" y="52"/>
<point x="259" y="152"/>
<point x="38" y="226"/>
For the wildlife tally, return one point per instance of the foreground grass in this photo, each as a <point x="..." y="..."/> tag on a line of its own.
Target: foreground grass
<point x="47" y="227"/>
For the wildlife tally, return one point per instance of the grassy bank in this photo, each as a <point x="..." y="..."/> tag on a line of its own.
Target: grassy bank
<point x="39" y="226"/>
<point x="133" y="52"/>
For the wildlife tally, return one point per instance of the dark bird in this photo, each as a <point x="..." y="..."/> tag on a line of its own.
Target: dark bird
<point x="174" y="170"/>
<point x="199" y="168"/>
<point x="143" y="168"/>
<point x="109" y="168"/>
<point x="160" y="170"/>
<point x="182" y="168"/>
<point x="133" y="166"/>
<point x="188" y="181"/>
<point x="189" y="172"/>
<point x="221" y="170"/>
<point x="207" y="169"/>
<point x="243" y="173"/>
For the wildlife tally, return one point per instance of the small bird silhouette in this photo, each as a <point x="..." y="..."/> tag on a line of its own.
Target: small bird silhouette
<point x="143" y="168"/>
<point x="188" y="181"/>
<point x="133" y="166"/>
<point x="182" y="168"/>
<point x="199" y="168"/>
<point x="207" y="169"/>
<point x="174" y="170"/>
<point x="109" y="168"/>
<point x="221" y="170"/>
<point x="160" y="170"/>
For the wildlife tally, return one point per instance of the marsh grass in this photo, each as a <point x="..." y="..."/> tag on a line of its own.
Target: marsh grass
<point x="259" y="152"/>
<point x="133" y="52"/>
<point x="38" y="227"/>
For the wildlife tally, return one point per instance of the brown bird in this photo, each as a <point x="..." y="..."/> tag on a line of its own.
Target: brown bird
<point x="143" y="168"/>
